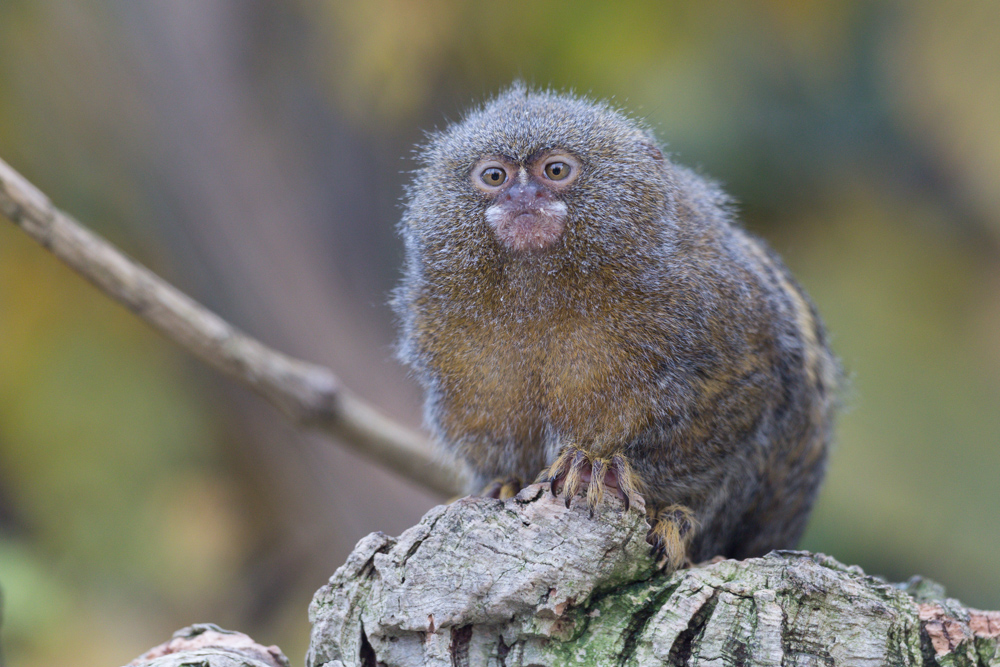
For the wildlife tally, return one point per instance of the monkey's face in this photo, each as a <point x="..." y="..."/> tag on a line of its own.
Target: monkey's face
<point x="556" y="180"/>
<point x="524" y="209"/>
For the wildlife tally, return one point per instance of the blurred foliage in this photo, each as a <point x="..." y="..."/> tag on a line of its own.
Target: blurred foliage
<point x="860" y="139"/>
<point x="99" y="432"/>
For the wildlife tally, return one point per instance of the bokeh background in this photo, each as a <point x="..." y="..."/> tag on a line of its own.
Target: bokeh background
<point x="254" y="154"/>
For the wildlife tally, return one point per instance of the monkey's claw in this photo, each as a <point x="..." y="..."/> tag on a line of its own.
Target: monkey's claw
<point x="575" y="468"/>
<point x="502" y="488"/>
<point x="672" y="530"/>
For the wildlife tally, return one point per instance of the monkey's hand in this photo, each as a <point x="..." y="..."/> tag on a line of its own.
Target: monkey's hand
<point x="575" y="469"/>
<point x="502" y="488"/>
<point x="672" y="528"/>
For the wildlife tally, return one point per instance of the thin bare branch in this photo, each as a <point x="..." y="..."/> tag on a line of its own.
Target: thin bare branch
<point x="308" y="394"/>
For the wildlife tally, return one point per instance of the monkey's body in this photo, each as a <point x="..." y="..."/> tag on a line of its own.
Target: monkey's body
<point x="649" y="330"/>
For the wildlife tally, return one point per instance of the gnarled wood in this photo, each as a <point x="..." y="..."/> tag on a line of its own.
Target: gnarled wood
<point x="209" y="645"/>
<point x="529" y="582"/>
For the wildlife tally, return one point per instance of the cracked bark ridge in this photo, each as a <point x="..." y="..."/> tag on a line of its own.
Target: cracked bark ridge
<point x="208" y="645"/>
<point x="527" y="582"/>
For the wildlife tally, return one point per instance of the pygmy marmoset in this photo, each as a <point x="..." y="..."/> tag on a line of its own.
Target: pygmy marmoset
<point x="576" y="306"/>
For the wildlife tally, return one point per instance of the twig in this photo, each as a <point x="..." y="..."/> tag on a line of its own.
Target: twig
<point x="308" y="394"/>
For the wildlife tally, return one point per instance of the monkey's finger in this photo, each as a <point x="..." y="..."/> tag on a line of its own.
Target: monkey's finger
<point x="556" y="473"/>
<point x="574" y="474"/>
<point x="627" y="481"/>
<point x="492" y="490"/>
<point x="681" y="517"/>
<point x="509" y="488"/>
<point x="595" y="491"/>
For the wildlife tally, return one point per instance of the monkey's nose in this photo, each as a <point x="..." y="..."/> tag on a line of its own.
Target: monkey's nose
<point x="527" y="196"/>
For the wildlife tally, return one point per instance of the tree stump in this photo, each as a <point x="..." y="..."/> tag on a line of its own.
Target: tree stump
<point x="530" y="582"/>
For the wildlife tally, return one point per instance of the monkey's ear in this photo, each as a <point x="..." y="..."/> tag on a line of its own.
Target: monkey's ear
<point x="649" y="146"/>
<point x="653" y="150"/>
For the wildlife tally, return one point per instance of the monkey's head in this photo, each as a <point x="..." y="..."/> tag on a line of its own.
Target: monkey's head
<point x="541" y="177"/>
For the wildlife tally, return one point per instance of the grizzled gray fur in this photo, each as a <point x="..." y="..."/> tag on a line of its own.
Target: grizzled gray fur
<point x="578" y="307"/>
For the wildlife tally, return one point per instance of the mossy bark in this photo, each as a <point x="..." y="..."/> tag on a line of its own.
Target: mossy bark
<point x="527" y="581"/>
<point x="530" y="583"/>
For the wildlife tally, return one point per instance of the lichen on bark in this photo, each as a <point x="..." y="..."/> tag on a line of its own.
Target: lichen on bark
<point x="527" y="581"/>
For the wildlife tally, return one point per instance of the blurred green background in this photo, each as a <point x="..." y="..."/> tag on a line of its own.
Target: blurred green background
<point x="254" y="154"/>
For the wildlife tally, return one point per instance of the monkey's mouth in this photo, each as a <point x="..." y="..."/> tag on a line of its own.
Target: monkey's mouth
<point x="527" y="230"/>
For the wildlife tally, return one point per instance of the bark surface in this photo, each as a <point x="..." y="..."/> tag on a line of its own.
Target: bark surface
<point x="528" y="582"/>
<point x="208" y="645"/>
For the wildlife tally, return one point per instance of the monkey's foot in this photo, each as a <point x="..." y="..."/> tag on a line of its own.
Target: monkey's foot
<point x="576" y="468"/>
<point x="502" y="488"/>
<point x="672" y="529"/>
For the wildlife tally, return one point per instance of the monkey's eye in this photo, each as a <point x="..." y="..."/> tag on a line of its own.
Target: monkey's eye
<point x="493" y="176"/>
<point x="557" y="170"/>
